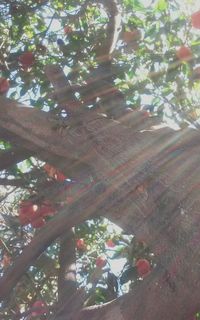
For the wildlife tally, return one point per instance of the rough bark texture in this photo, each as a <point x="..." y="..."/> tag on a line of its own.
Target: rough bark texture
<point x="67" y="262"/>
<point x="12" y="156"/>
<point x="164" y="212"/>
<point x="67" y="285"/>
<point x="147" y="182"/>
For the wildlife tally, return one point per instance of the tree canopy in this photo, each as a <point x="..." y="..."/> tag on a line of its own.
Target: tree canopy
<point x="99" y="129"/>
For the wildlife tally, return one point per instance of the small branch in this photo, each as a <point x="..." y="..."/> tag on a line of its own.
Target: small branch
<point x="113" y="27"/>
<point x="68" y="296"/>
<point x="20" y="183"/>
<point x="67" y="271"/>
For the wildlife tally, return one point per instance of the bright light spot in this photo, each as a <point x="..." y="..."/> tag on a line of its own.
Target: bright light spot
<point x="146" y="3"/>
<point x="189" y="6"/>
<point x="55" y="26"/>
<point x="117" y="265"/>
<point x="113" y="228"/>
<point x="146" y="99"/>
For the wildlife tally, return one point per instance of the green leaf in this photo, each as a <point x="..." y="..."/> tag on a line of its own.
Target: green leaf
<point x="161" y="5"/>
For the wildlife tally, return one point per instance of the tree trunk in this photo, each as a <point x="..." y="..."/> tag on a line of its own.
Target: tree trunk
<point x="148" y="183"/>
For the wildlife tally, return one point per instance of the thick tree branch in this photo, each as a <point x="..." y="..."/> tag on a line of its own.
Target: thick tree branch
<point x="12" y="156"/>
<point x="122" y="167"/>
<point x="33" y="130"/>
<point x="13" y="182"/>
<point x="140" y="303"/>
<point x="142" y="212"/>
<point x="139" y="208"/>
<point x="113" y="28"/>
<point x="75" y="214"/>
<point x="152" y="181"/>
<point x="32" y="126"/>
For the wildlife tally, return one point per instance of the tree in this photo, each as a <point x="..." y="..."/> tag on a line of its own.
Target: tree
<point x="92" y="149"/>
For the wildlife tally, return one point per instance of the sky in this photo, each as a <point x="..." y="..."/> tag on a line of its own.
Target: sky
<point x="188" y="6"/>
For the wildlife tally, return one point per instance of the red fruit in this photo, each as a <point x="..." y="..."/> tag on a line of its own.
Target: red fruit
<point x="26" y="207"/>
<point x="143" y="267"/>
<point x="39" y="308"/>
<point x="67" y="29"/>
<point x="27" y="59"/>
<point x="101" y="262"/>
<point x="110" y="243"/>
<point x="4" y="85"/>
<point x="195" y="19"/>
<point x="54" y="173"/>
<point x="80" y="244"/>
<point x="129" y="36"/>
<point x="184" y="53"/>
<point x="34" y="214"/>
<point x="24" y="220"/>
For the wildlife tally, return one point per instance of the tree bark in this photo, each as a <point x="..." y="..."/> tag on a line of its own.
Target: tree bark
<point x="10" y="157"/>
<point x="67" y="285"/>
<point x="148" y="183"/>
<point x="152" y="298"/>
